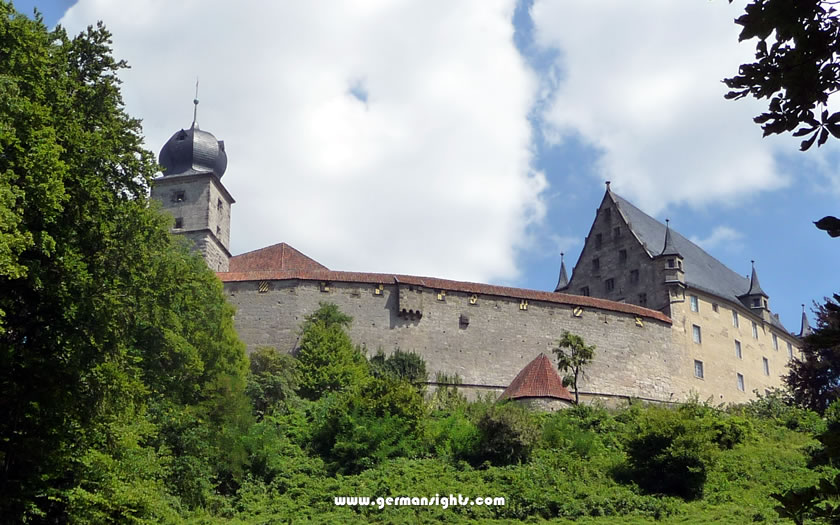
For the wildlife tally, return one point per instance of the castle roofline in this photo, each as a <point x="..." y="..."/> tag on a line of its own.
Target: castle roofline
<point x="442" y="284"/>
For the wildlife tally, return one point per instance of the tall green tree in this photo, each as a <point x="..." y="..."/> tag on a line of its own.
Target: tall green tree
<point x="815" y="379"/>
<point x="108" y="328"/>
<point x="573" y="354"/>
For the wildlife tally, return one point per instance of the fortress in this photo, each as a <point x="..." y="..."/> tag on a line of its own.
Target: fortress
<point x="668" y="319"/>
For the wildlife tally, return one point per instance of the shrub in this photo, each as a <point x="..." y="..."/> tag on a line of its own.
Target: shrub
<point x="400" y="365"/>
<point x="508" y="433"/>
<point x="272" y="379"/>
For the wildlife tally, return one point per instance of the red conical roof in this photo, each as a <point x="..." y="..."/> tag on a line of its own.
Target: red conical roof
<point x="537" y="379"/>
<point x="273" y="258"/>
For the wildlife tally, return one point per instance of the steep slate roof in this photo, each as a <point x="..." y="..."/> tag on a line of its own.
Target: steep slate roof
<point x="537" y="379"/>
<point x="277" y="257"/>
<point x="805" y="328"/>
<point x="702" y="271"/>
<point x="755" y="287"/>
<point x="442" y="284"/>
<point x="563" y="281"/>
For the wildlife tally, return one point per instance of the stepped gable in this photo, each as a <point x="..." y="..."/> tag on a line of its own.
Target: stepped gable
<point x="537" y="379"/>
<point x="278" y="257"/>
<point x="702" y="271"/>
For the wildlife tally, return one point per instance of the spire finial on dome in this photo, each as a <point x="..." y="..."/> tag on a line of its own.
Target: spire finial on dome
<point x="195" y="105"/>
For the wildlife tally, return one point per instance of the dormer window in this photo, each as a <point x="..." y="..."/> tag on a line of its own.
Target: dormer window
<point x="622" y="256"/>
<point x="672" y="263"/>
<point x="757" y="302"/>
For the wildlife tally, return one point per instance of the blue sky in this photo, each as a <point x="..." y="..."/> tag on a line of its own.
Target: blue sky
<point x="471" y="140"/>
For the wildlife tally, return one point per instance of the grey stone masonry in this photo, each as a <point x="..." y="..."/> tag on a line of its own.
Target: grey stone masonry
<point x="201" y="207"/>
<point x="485" y="339"/>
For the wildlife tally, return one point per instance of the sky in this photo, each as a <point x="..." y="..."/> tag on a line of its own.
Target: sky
<point x="470" y="140"/>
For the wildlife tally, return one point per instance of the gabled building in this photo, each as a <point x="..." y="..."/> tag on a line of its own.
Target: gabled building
<point x="735" y="344"/>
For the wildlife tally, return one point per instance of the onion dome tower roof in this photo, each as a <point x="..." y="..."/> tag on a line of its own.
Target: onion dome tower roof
<point x="193" y="151"/>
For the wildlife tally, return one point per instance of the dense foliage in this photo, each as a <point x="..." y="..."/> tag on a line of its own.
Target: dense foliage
<point x="814" y="379"/>
<point x="797" y="66"/>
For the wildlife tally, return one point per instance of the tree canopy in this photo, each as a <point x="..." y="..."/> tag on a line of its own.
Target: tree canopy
<point x="797" y="67"/>
<point x="109" y="330"/>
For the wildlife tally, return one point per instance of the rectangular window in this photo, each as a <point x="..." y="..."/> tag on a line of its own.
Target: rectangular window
<point x="219" y="205"/>
<point x="715" y="308"/>
<point x="598" y="239"/>
<point x="734" y="318"/>
<point x="610" y="284"/>
<point x="634" y="276"/>
<point x="616" y="232"/>
<point x="643" y="299"/>
<point x="695" y="331"/>
<point x="596" y="264"/>
<point x="775" y="342"/>
<point x="179" y="223"/>
<point x="698" y="369"/>
<point x="766" y="364"/>
<point x="671" y="263"/>
<point x="180" y="196"/>
<point x="622" y="256"/>
<point x="607" y="214"/>
<point x="756" y="302"/>
<point x="790" y="351"/>
<point x="585" y="291"/>
<point x="695" y="303"/>
<point x="740" y="382"/>
<point x="738" y="350"/>
<point x="755" y="330"/>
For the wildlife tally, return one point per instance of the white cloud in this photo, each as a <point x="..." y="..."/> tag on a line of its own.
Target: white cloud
<point x="373" y="136"/>
<point x="641" y="81"/>
<point x="720" y="236"/>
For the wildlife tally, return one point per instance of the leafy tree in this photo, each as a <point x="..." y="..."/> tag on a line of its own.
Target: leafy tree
<point x="327" y="360"/>
<point x="508" y="433"/>
<point x="572" y="356"/>
<point x="108" y="328"/>
<point x="797" y="66"/>
<point x="401" y="365"/>
<point x="273" y="379"/>
<point x="815" y="378"/>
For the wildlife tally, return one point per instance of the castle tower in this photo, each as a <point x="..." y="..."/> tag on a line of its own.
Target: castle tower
<point x="191" y="190"/>
<point x="670" y="266"/>
<point x="755" y="299"/>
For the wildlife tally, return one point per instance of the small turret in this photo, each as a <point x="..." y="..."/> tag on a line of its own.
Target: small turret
<point x="755" y="299"/>
<point x="805" y="328"/>
<point x="670" y="266"/>
<point x="563" y="281"/>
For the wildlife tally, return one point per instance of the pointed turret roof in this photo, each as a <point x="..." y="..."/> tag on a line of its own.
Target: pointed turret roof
<point x="670" y="248"/>
<point x="755" y="287"/>
<point x="805" y="328"/>
<point x="537" y="379"/>
<point x="563" y="281"/>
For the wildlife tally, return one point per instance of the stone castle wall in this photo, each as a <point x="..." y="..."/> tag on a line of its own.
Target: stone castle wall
<point x="487" y="343"/>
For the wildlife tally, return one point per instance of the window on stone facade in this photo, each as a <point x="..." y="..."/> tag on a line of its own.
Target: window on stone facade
<point x="755" y="330"/>
<point x="596" y="264"/>
<point x="790" y="351"/>
<point x="610" y="284"/>
<point x="740" y="379"/>
<point x="616" y="232"/>
<point x="695" y="332"/>
<point x="218" y="231"/>
<point x="634" y="276"/>
<point x="756" y="302"/>
<point x="734" y="318"/>
<point x="179" y="223"/>
<point x="607" y="214"/>
<point x="643" y="299"/>
<point x="179" y="196"/>
<point x="585" y="291"/>
<point x="738" y="350"/>
<point x="598" y="239"/>
<point x="671" y="263"/>
<point x="698" y="369"/>
<point x="622" y="256"/>
<point x="766" y="365"/>
<point x="715" y="308"/>
<point x="775" y="342"/>
<point x="695" y="303"/>
<point x="219" y="205"/>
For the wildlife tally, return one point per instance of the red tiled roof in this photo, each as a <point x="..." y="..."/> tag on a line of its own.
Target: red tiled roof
<point x="537" y="379"/>
<point x="274" y="258"/>
<point x="441" y="284"/>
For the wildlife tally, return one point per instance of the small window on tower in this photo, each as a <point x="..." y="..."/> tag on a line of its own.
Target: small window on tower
<point x="219" y="205"/>
<point x="585" y="291"/>
<point x="596" y="264"/>
<point x="622" y="256"/>
<point x="610" y="284"/>
<point x="643" y="299"/>
<point x="218" y="231"/>
<point x="598" y="239"/>
<point x="607" y="214"/>
<point x="180" y="196"/>
<point x="634" y="276"/>
<point x="616" y="232"/>
<point x="756" y="302"/>
<point x="179" y="223"/>
<point x="671" y="263"/>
